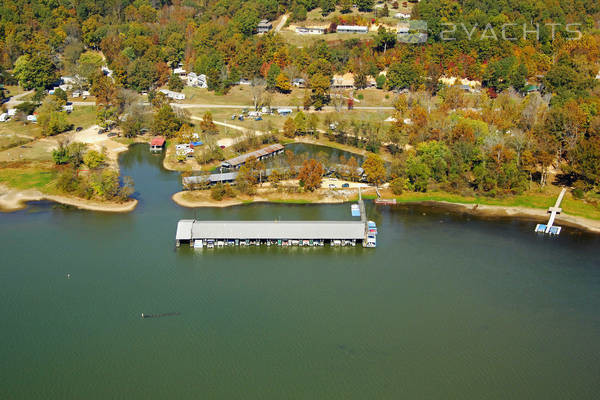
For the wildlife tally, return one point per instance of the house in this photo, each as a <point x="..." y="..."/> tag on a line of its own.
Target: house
<point x="311" y="30"/>
<point x="351" y="29"/>
<point x="32" y="118"/>
<point x="284" y="111"/>
<point x="402" y="16"/>
<point x="264" y="26"/>
<point x="68" y="108"/>
<point x="4" y="117"/>
<point x="244" y="81"/>
<point x="345" y="81"/>
<point x="451" y="81"/>
<point x="157" y="143"/>
<point x="180" y="72"/>
<point x="197" y="80"/>
<point x="299" y="82"/>
<point x="11" y="112"/>
<point x="173" y="95"/>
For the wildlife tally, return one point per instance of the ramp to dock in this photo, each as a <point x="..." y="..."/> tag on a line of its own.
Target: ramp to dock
<point x="554" y="211"/>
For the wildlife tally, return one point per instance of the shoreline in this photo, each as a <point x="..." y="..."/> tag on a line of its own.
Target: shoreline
<point x="12" y="200"/>
<point x="478" y="210"/>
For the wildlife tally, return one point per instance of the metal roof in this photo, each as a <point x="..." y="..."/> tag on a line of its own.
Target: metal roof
<point x="253" y="154"/>
<point x="184" y="229"/>
<point x="303" y="230"/>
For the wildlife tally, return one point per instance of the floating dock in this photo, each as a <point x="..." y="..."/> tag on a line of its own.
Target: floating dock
<point x="549" y="228"/>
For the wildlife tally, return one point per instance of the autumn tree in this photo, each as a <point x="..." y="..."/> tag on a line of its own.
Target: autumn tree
<point x="374" y="169"/>
<point x="311" y="174"/>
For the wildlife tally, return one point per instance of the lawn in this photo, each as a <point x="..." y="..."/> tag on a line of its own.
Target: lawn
<point x="30" y="177"/>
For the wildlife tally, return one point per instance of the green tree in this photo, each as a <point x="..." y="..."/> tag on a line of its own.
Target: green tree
<point x="327" y="6"/>
<point x="94" y="159"/>
<point x="175" y="83"/>
<point x="319" y="85"/>
<point x="141" y="75"/>
<point x="165" y="122"/>
<point x="403" y="75"/>
<point x="35" y="71"/>
<point x="365" y="5"/>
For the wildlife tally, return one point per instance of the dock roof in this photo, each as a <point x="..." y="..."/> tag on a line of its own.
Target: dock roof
<point x="253" y="154"/>
<point x="273" y="230"/>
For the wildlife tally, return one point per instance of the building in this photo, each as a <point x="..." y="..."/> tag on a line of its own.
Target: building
<point x="173" y="95"/>
<point x="261" y="154"/>
<point x="299" y="82"/>
<point x="195" y="80"/>
<point x="345" y="81"/>
<point x="351" y="29"/>
<point x="189" y="231"/>
<point x="264" y="26"/>
<point x="32" y="118"/>
<point x="157" y="143"/>
<point x="311" y="30"/>
<point x="284" y="111"/>
<point x="4" y="117"/>
<point x="402" y="16"/>
<point x="11" y="112"/>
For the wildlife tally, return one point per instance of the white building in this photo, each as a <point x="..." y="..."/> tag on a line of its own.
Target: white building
<point x="68" y="108"/>
<point x="195" y="80"/>
<point x="402" y="16"/>
<point x="351" y="29"/>
<point x="11" y="112"/>
<point x="310" y="30"/>
<point x="284" y="111"/>
<point x="299" y="82"/>
<point x="264" y="26"/>
<point x="32" y="118"/>
<point x="4" y="117"/>
<point x="173" y="95"/>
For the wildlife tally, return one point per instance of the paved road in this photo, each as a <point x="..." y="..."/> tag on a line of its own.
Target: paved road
<point x="228" y="106"/>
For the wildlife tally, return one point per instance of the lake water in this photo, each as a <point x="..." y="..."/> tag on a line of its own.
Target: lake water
<point x="447" y="307"/>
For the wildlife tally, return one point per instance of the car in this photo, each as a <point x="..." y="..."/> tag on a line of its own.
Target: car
<point x="345" y="185"/>
<point x="222" y="146"/>
<point x="111" y="134"/>
<point x="259" y="118"/>
<point x="100" y="131"/>
<point x="233" y="117"/>
<point x="331" y="186"/>
<point x="78" y="129"/>
<point x="241" y="117"/>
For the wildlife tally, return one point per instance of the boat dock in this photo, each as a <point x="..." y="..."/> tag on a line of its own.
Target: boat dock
<point x="554" y="211"/>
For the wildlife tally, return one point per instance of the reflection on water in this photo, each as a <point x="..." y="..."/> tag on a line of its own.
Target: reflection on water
<point x="447" y="306"/>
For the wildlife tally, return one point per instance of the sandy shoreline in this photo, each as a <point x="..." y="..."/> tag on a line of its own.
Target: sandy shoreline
<point x="480" y="210"/>
<point x="13" y="200"/>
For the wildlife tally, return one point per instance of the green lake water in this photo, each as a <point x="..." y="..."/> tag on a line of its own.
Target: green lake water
<point x="447" y="306"/>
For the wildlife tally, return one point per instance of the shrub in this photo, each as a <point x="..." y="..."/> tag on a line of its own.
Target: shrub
<point x="397" y="186"/>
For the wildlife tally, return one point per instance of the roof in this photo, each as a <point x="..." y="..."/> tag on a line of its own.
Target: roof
<point x="184" y="229"/>
<point x="157" y="141"/>
<point x="254" y="154"/>
<point x="352" y="28"/>
<point x="344" y="230"/>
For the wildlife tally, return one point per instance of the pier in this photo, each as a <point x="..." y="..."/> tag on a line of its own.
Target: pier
<point x="554" y="211"/>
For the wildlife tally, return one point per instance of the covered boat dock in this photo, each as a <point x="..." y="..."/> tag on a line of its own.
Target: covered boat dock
<point x="282" y="233"/>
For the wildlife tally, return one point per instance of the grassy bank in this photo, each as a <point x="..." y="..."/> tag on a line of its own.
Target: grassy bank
<point x="36" y="176"/>
<point x="535" y="199"/>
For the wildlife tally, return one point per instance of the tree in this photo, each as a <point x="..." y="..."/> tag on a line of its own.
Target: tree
<point x="246" y="179"/>
<point x="282" y="83"/>
<point x="272" y="74"/>
<point x="289" y="128"/>
<point x="175" y="83"/>
<point x="257" y="89"/>
<point x="51" y="118"/>
<point x="365" y="5"/>
<point x="374" y="169"/>
<point x="94" y="159"/>
<point x="311" y="174"/>
<point x="385" y="39"/>
<point x="403" y="75"/>
<point x="327" y="6"/>
<point x="207" y="125"/>
<point x="165" y="122"/>
<point x="35" y="71"/>
<point x="319" y="85"/>
<point x="141" y="74"/>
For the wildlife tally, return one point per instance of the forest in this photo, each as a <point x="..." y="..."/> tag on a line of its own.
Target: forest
<point x="496" y="141"/>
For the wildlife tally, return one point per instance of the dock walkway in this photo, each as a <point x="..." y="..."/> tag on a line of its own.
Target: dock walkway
<point x="554" y="211"/>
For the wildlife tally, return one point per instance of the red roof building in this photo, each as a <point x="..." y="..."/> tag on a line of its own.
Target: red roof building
<point x="157" y="143"/>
